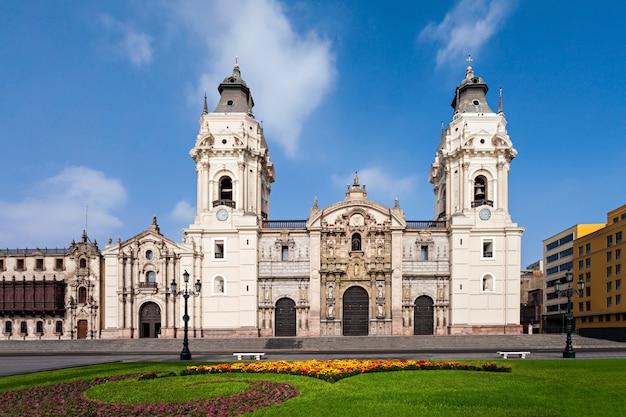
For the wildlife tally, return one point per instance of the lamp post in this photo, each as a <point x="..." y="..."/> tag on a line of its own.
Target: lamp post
<point x="185" y="354"/>
<point x="569" y="292"/>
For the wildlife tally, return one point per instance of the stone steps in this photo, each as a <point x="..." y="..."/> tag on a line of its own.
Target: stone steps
<point x="448" y="343"/>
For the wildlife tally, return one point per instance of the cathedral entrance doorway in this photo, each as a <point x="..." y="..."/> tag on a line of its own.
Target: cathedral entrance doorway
<point x="149" y="320"/>
<point x="423" y="315"/>
<point x="355" y="312"/>
<point x="285" y="317"/>
<point x="81" y="329"/>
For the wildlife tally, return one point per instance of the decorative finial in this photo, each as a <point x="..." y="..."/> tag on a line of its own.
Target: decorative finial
<point x="315" y="202"/>
<point x="500" y="102"/>
<point x="356" y="178"/>
<point x="397" y="202"/>
<point x="236" y="60"/>
<point x="206" y="108"/>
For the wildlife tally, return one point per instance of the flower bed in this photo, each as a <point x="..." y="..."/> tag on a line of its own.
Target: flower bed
<point x="334" y="370"/>
<point x="67" y="399"/>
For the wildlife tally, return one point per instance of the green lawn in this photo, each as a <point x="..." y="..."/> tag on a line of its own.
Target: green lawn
<point x="533" y="388"/>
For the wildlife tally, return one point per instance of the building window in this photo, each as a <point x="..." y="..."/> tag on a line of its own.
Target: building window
<point x="618" y="269"/>
<point x="591" y="319"/>
<point x="609" y="286"/>
<point x="580" y="264"/>
<point x="285" y="252"/>
<point x="480" y="191"/>
<point x="580" y="251"/>
<point x="8" y="327"/>
<point x="1" y="264"/>
<point x="618" y="299"/>
<point x="580" y="307"/>
<point x="609" y="256"/>
<point x="23" y="328"/>
<point x="424" y="253"/>
<point x="588" y="291"/>
<point x="609" y="302"/>
<point x="588" y="305"/>
<point x="618" y="284"/>
<point x="618" y="237"/>
<point x="588" y="262"/>
<point x="219" y="285"/>
<point x="588" y="248"/>
<point x="58" y="264"/>
<point x="82" y="295"/>
<point x="82" y="263"/>
<point x="58" y="328"/>
<point x="151" y="278"/>
<point x="20" y="265"/>
<point x="618" y="254"/>
<point x="39" y="327"/>
<point x="609" y="240"/>
<point x="39" y="264"/>
<point x="588" y="276"/>
<point x="487" y="283"/>
<point x="218" y="249"/>
<point x="226" y="189"/>
<point x="149" y="255"/>
<point x="487" y="248"/>
<point x="356" y="242"/>
<point x="609" y="271"/>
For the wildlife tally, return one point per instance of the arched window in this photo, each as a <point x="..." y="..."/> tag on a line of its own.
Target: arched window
<point x="487" y="284"/>
<point x="82" y="295"/>
<point x="83" y="263"/>
<point x="39" y="327"/>
<point x="226" y="188"/>
<point x="480" y="191"/>
<point x="219" y="285"/>
<point x="151" y="277"/>
<point x="356" y="242"/>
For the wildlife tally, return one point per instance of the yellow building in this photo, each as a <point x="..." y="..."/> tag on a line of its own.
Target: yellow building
<point x="598" y="259"/>
<point x="558" y="258"/>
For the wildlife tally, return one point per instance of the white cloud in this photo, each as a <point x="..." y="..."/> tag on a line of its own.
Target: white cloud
<point x="466" y="28"/>
<point x="289" y="73"/>
<point x="60" y="206"/>
<point x="382" y="186"/>
<point x="128" y="42"/>
<point x="183" y="212"/>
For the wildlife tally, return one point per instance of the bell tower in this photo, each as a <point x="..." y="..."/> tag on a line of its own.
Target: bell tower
<point x="231" y="155"/>
<point x="234" y="176"/>
<point x="470" y="182"/>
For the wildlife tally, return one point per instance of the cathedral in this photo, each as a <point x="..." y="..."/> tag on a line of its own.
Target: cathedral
<point x="353" y="268"/>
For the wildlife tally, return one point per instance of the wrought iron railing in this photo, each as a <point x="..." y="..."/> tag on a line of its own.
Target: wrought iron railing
<point x="284" y="224"/>
<point x="224" y="202"/>
<point x="425" y="224"/>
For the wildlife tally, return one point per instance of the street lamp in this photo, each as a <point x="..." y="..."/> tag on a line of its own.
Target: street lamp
<point x="185" y="354"/>
<point x="569" y="292"/>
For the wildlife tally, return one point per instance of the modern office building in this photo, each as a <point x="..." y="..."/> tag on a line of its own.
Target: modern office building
<point x="558" y="258"/>
<point x="598" y="258"/>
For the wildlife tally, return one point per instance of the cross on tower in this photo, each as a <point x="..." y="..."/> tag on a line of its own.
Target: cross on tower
<point x="469" y="61"/>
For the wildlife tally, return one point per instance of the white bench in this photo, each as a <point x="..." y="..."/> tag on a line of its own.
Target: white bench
<point x="522" y="355"/>
<point x="256" y="356"/>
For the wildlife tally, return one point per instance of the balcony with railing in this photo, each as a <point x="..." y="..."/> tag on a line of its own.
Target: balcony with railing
<point x="482" y="202"/>
<point x="224" y="202"/>
<point x="284" y="224"/>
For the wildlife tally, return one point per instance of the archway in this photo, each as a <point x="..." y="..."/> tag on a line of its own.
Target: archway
<point x="149" y="320"/>
<point x="285" y="317"/>
<point x="423" y="315"/>
<point x="355" y="317"/>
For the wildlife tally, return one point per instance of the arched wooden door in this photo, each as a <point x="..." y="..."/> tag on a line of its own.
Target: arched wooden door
<point x="81" y="329"/>
<point x="285" y="317"/>
<point x="423" y="315"/>
<point x="355" y="315"/>
<point x="149" y="320"/>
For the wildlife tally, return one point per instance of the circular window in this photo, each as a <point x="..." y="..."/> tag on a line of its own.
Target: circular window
<point x="149" y="255"/>
<point x="229" y="102"/>
<point x="224" y="141"/>
<point x="476" y="102"/>
<point x="482" y="141"/>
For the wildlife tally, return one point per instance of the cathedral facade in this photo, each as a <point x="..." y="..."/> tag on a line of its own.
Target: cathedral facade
<point x="354" y="268"/>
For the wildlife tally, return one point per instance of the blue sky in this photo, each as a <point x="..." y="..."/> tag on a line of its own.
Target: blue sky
<point x="100" y="101"/>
